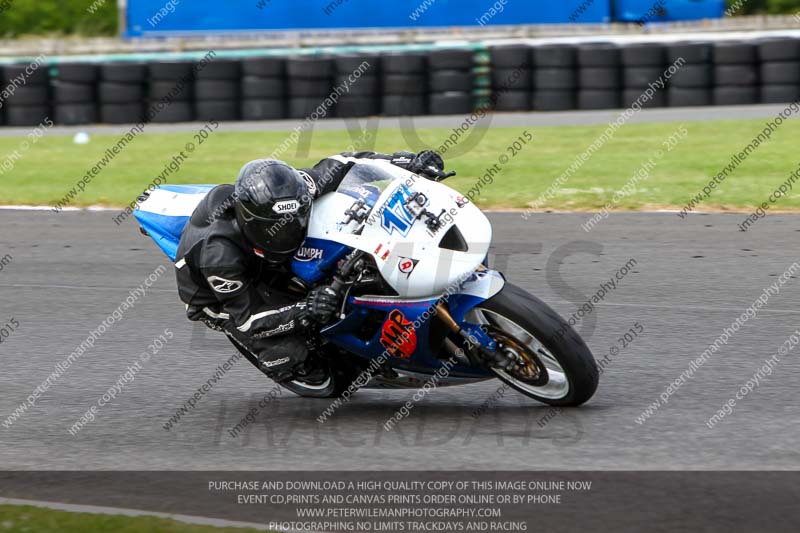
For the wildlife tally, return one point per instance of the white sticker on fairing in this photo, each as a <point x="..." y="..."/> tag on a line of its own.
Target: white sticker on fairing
<point x="307" y="253"/>
<point x="224" y="285"/>
<point x="286" y="206"/>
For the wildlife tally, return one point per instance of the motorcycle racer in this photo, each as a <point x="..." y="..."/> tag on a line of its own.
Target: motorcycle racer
<point x="232" y="263"/>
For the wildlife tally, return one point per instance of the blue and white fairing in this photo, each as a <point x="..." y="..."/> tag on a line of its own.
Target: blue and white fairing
<point x="409" y="256"/>
<point x="167" y="210"/>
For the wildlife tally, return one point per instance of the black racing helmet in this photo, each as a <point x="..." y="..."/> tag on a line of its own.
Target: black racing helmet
<point x="272" y="208"/>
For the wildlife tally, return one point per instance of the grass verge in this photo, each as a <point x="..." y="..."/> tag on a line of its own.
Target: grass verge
<point x="29" y="519"/>
<point x="47" y="170"/>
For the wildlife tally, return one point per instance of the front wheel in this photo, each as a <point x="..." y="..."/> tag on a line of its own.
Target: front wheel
<point x="551" y="368"/>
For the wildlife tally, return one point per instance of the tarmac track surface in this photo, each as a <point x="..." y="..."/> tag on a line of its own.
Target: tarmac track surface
<point x="692" y="278"/>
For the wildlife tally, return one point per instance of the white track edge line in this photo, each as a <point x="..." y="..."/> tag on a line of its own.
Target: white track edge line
<point x="95" y="509"/>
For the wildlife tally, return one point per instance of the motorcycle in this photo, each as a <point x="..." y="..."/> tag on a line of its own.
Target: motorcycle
<point x="409" y="255"/>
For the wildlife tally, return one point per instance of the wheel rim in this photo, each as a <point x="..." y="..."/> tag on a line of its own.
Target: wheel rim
<point x="556" y="386"/>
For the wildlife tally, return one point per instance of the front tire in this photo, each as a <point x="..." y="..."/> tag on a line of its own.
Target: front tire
<point x="564" y="370"/>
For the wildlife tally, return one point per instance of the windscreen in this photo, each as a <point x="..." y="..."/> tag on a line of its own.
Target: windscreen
<point x="366" y="182"/>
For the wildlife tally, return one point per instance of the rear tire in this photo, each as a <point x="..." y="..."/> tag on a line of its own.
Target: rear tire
<point x="572" y="375"/>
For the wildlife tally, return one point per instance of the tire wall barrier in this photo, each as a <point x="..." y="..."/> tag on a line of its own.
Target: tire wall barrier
<point x="446" y="81"/>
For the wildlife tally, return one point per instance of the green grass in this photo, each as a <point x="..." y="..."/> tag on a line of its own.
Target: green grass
<point x="48" y="169"/>
<point x="27" y="519"/>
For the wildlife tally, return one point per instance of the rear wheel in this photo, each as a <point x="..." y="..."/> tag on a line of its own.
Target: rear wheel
<point x="554" y="369"/>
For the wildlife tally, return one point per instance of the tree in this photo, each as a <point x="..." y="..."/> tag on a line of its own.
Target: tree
<point x="760" y="7"/>
<point x="24" y="17"/>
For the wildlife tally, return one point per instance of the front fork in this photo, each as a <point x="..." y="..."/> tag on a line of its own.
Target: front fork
<point x="474" y="336"/>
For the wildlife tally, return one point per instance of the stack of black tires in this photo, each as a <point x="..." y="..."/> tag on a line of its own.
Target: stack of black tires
<point x="512" y="77"/>
<point x="405" y="84"/>
<point x="310" y="80"/>
<point x="599" y="76"/>
<point x="170" y="91"/>
<point x="691" y="84"/>
<point x="780" y="70"/>
<point x="121" y="92"/>
<point x="360" y="75"/>
<point x="555" y="79"/>
<point x="735" y="73"/>
<point x="643" y="66"/>
<point x="74" y="90"/>
<point x="216" y="90"/>
<point x="30" y="103"/>
<point x="451" y="81"/>
<point x="263" y="88"/>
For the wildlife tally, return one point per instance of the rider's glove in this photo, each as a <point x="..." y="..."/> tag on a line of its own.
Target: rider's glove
<point x="321" y="304"/>
<point x="426" y="163"/>
<point x="429" y="164"/>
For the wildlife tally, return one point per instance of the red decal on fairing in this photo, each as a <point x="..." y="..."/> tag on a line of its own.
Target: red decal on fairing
<point x="406" y="265"/>
<point x="398" y="335"/>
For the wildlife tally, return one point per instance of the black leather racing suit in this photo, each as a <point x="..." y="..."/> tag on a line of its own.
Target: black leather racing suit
<point x="227" y="286"/>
